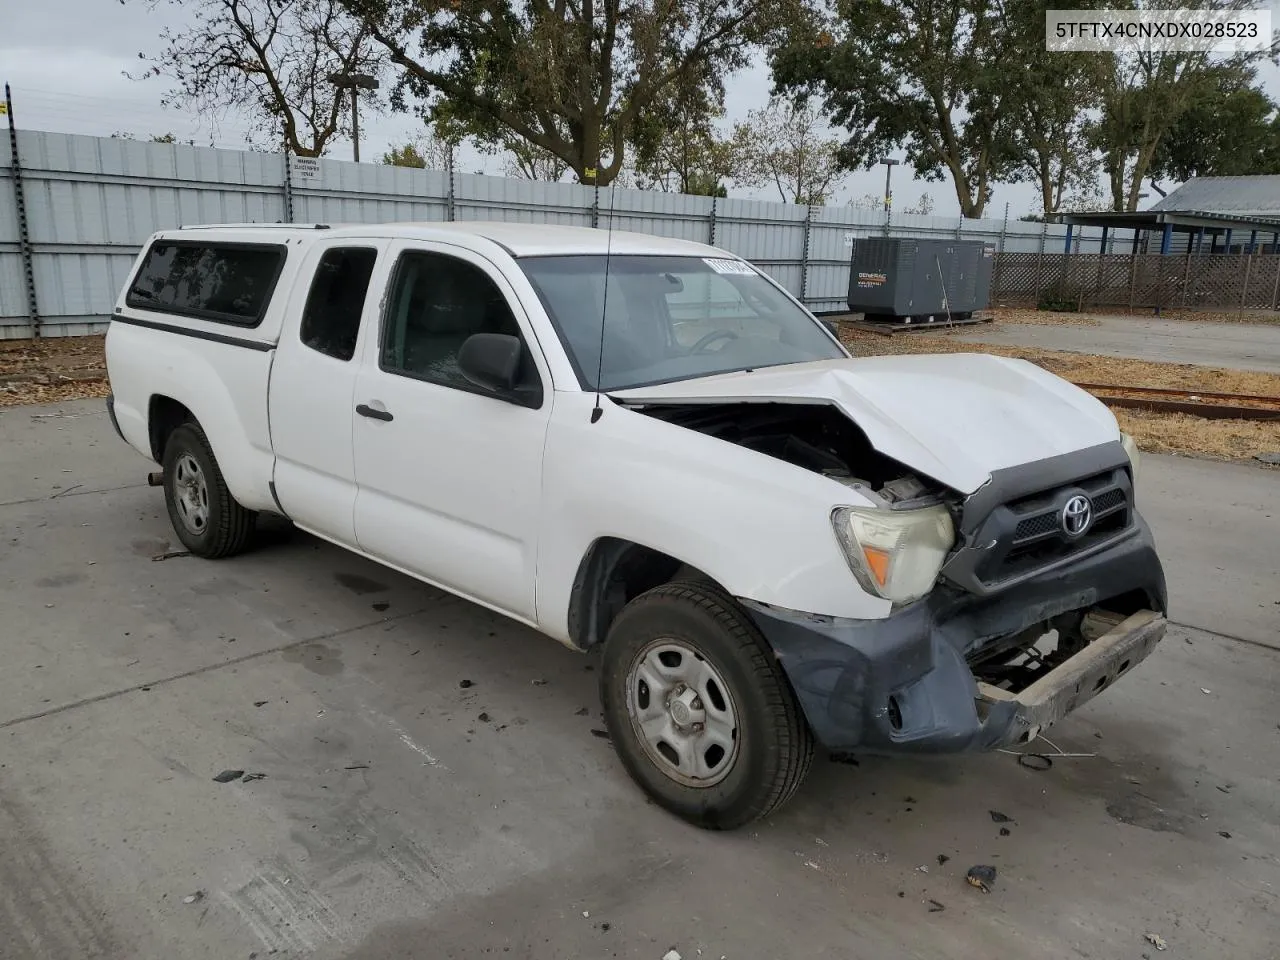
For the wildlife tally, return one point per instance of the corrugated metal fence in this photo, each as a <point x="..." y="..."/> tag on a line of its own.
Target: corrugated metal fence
<point x="91" y="202"/>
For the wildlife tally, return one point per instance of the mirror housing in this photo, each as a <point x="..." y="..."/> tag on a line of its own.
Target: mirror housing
<point x="491" y="361"/>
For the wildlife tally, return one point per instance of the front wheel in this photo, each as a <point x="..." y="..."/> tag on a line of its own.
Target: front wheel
<point x="205" y="516"/>
<point x="698" y="709"/>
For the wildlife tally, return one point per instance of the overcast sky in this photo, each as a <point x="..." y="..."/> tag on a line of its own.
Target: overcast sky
<point x="65" y="60"/>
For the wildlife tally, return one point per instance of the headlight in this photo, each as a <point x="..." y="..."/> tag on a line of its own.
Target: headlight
<point x="1131" y="449"/>
<point x="896" y="555"/>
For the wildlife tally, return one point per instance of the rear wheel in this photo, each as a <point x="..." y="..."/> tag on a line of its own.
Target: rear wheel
<point x="207" y="519"/>
<point x="699" y="711"/>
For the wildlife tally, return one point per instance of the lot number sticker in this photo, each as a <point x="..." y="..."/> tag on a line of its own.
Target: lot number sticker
<point x="736" y="267"/>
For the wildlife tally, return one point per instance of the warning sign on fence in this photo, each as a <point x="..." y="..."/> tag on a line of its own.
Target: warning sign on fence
<point x="305" y="168"/>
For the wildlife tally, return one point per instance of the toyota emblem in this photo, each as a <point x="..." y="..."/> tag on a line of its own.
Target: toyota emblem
<point x="1077" y="514"/>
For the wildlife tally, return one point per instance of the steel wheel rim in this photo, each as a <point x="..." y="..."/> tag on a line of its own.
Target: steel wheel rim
<point x="191" y="494"/>
<point x="683" y="713"/>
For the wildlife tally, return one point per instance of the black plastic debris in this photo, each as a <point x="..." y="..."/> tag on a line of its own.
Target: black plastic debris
<point x="998" y="817"/>
<point x="602" y="734"/>
<point x="605" y="926"/>
<point x="1004" y="831"/>
<point x="260" y="703"/>
<point x="226" y="776"/>
<point x="1224" y="834"/>
<point x="465" y="683"/>
<point x="936" y="907"/>
<point x="250" y="777"/>
<point x="942" y="858"/>
<point x="902" y="894"/>
<point x="483" y="718"/>
<point x="981" y="876"/>
<point x="357" y="766"/>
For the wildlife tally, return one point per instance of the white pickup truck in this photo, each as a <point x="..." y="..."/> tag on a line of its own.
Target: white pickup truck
<point x="646" y="444"/>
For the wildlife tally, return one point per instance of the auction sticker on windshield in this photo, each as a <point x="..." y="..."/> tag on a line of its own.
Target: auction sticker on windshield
<point x="729" y="266"/>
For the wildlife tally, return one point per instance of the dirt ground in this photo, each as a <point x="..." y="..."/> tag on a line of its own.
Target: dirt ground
<point x="70" y="368"/>
<point x="46" y="371"/>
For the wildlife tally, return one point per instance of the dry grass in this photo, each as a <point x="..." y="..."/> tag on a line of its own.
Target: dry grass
<point x="1155" y="432"/>
<point x="1195" y="436"/>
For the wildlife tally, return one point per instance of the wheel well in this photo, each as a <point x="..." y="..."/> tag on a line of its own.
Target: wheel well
<point x="612" y="574"/>
<point x="164" y="415"/>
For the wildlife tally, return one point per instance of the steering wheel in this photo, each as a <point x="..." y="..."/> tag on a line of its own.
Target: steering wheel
<point x="711" y="338"/>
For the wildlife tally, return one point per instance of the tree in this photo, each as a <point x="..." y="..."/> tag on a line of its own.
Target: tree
<point x="1050" y="109"/>
<point x="271" y="59"/>
<point x="1232" y="130"/>
<point x="571" y="77"/>
<point x="922" y="207"/>
<point x="431" y="151"/>
<point x="931" y="77"/>
<point x="679" y="149"/>
<point x="787" y="145"/>
<point x="1145" y="95"/>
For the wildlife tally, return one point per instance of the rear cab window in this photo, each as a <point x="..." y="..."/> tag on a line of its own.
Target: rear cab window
<point x="335" y="303"/>
<point x="222" y="282"/>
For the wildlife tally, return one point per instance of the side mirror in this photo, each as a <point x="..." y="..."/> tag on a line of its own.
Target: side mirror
<point x="491" y="360"/>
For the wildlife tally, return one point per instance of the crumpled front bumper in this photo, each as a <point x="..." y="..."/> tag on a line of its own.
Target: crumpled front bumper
<point x="901" y="684"/>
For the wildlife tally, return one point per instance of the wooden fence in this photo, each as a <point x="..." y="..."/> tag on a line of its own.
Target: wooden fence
<point x="1083" y="280"/>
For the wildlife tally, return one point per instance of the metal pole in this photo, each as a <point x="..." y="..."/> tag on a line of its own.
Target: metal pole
<point x="24" y="232"/>
<point x="595" y="205"/>
<point x="712" y="226"/>
<point x="804" y="263"/>
<point x="1004" y="227"/>
<point x="355" y="123"/>
<point x="451" y="196"/>
<point x="288" y="185"/>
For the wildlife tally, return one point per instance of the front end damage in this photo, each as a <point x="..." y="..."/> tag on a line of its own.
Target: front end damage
<point x="1026" y="623"/>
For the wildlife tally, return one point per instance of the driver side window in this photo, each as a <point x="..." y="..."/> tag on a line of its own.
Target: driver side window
<point x="436" y="303"/>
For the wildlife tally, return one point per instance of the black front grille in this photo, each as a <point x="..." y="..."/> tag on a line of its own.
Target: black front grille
<point x="1027" y="534"/>
<point x="1036" y="526"/>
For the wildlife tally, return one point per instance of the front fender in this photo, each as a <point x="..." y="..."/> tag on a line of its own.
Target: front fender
<point x="760" y="527"/>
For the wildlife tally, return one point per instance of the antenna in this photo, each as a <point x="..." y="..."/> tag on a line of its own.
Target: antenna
<point x="597" y="412"/>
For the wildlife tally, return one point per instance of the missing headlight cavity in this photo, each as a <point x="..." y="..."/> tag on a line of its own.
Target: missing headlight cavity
<point x="815" y="436"/>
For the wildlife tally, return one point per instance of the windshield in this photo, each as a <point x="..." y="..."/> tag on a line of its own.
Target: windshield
<point x="670" y="318"/>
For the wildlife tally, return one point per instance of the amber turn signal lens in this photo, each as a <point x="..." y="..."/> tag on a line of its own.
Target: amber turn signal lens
<point x="878" y="562"/>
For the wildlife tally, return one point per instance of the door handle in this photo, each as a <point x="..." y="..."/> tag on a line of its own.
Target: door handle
<point x="367" y="411"/>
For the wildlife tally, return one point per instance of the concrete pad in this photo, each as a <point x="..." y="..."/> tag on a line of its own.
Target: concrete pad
<point x="393" y="821"/>
<point x="59" y="450"/>
<point x="1217" y="529"/>
<point x="1235" y="346"/>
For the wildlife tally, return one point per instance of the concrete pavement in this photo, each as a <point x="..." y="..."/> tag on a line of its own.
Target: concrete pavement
<point x="393" y="821"/>
<point x="1236" y="346"/>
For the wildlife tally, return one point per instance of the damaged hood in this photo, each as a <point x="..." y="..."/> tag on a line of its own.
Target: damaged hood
<point x="953" y="417"/>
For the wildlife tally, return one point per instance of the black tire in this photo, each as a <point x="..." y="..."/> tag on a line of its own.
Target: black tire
<point x="227" y="526"/>
<point x="774" y="743"/>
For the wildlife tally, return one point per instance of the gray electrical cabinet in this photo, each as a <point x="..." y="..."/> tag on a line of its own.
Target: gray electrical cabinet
<point x="901" y="280"/>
